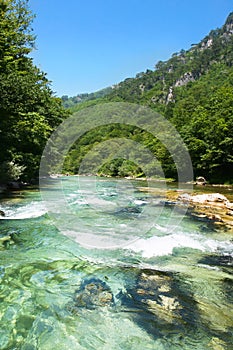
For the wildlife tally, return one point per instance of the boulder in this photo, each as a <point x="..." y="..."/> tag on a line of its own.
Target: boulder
<point x="2" y="213"/>
<point x="204" y="198"/>
<point x="215" y="217"/>
<point x="93" y="293"/>
<point x="200" y="180"/>
<point x="154" y="292"/>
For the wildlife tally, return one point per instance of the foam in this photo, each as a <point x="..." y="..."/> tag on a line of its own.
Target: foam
<point x="28" y="211"/>
<point x="160" y="246"/>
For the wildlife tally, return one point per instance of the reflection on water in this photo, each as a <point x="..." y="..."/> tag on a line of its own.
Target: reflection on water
<point x="166" y="290"/>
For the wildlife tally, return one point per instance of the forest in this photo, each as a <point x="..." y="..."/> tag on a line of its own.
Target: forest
<point x="193" y="90"/>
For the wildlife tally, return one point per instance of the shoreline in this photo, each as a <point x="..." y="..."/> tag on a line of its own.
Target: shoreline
<point x="200" y="201"/>
<point x="212" y="204"/>
<point x="214" y="208"/>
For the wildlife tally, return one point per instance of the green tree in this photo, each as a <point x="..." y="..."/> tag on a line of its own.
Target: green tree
<point x="28" y="109"/>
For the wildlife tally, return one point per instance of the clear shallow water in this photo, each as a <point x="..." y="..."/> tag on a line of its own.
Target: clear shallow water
<point x="168" y="287"/>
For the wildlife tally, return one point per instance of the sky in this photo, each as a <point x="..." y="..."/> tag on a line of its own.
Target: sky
<point x="85" y="46"/>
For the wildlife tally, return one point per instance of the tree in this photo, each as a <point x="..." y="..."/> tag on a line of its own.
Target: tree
<point x="28" y="109"/>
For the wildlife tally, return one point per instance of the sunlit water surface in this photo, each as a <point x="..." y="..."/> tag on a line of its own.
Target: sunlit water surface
<point x="168" y="287"/>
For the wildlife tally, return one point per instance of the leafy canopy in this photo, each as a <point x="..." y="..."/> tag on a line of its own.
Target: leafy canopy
<point x="28" y="109"/>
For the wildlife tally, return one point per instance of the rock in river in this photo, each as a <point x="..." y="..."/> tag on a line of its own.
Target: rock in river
<point x="93" y="293"/>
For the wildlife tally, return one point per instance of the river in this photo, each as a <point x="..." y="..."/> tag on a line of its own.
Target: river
<point x="118" y="270"/>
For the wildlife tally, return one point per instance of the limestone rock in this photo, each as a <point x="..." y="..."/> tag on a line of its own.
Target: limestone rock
<point x="170" y="96"/>
<point x="217" y="344"/>
<point x="93" y="293"/>
<point x="185" y="79"/>
<point x="200" y="180"/>
<point x="229" y="206"/>
<point x="154" y="292"/>
<point x="204" y="198"/>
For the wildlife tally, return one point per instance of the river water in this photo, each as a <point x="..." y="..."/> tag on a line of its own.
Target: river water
<point x="128" y="273"/>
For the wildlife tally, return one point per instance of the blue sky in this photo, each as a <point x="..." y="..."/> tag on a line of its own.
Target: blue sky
<point x="84" y="46"/>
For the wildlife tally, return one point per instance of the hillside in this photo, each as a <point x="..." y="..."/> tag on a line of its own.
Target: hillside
<point x="194" y="90"/>
<point x="161" y="86"/>
<point x="72" y="102"/>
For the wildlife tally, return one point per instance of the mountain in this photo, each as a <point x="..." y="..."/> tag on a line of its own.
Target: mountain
<point x="194" y="90"/>
<point x="162" y="85"/>
<point x="71" y="102"/>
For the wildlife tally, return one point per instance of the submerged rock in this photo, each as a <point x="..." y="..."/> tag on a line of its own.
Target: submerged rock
<point x="129" y="210"/>
<point x="160" y="303"/>
<point x="154" y="290"/>
<point x="217" y="344"/>
<point x="159" y="294"/>
<point x="93" y="293"/>
<point x="2" y="213"/>
<point x="217" y="260"/>
<point x="5" y="241"/>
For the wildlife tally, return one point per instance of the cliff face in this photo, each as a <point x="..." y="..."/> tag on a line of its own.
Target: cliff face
<point x="159" y="86"/>
<point x="194" y="91"/>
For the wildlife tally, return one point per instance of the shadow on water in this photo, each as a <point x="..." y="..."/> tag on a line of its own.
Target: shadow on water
<point x="160" y="304"/>
<point x="218" y="260"/>
<point x="45" y="289"/>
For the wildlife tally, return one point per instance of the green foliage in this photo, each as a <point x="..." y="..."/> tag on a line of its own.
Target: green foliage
<point x="201" y="108"/>
<point x="193" y="89"/>
<point x="28" y="109"/>
<point x="105" y="151"/>
<point x="10" y="171"/>
<point x="121" y="168"/>
<point x="72" y="102"/>
<point x="209" y="133"/>
<point x="16" y="33"/>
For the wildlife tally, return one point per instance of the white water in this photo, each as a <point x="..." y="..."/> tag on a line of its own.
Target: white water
<point x="33" y="209"/>
<point x="172" y="263"/>
<point x="160" y="246"/>
<point x="163" y="239"/>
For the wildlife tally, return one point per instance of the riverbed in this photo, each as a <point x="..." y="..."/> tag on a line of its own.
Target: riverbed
<point x="94" y="263"/>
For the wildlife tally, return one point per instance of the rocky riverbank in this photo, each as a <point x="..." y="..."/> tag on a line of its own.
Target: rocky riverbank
<point x="202" y="203"/>
<point x="211" y="207"/>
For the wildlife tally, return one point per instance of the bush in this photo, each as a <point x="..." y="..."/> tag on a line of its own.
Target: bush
<point x="10" y="171"/>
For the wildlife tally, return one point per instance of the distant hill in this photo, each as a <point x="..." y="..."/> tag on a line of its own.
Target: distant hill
<point x="194" y="90"/>
<point x="70" y="102"/>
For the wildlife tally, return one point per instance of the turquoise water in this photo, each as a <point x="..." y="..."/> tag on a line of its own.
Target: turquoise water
<point x="163" y="281"/>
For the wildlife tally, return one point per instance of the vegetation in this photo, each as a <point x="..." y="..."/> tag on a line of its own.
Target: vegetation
<point x="194" y="91"/>
<point x="29" y="111"/>
<point x="72" y="102"/>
